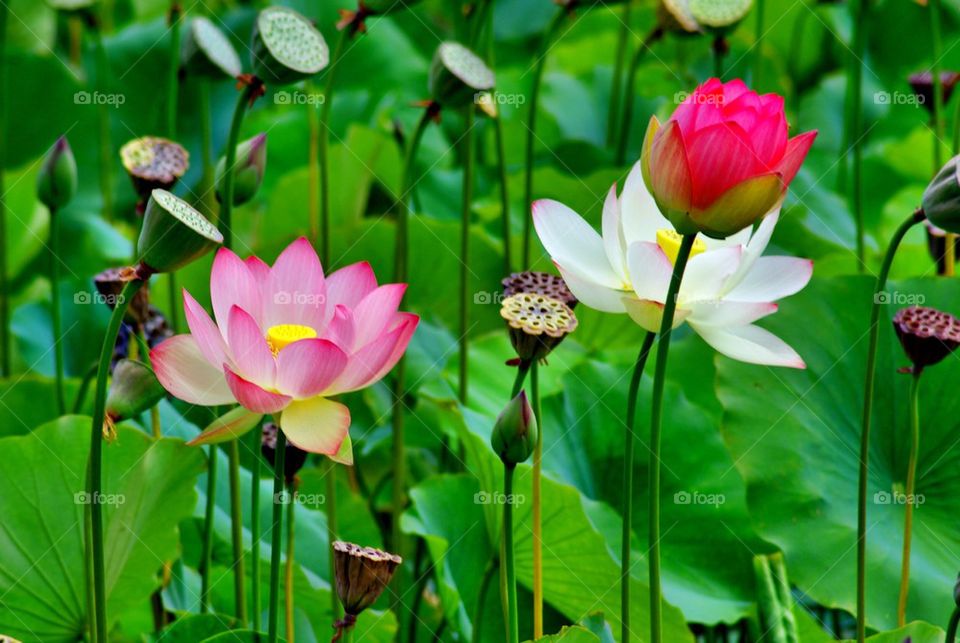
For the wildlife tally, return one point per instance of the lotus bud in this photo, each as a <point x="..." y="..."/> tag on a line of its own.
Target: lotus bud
<point x="941" y="199"/>
<point x="458" y="76"/>
<point x="515" y="433"/>
<point x="927" y="335"/>
<point x="57" y="180"/>
<point x="537" y="324"/>
<point x="207" y="52"/>
<point x="361" y="575"/>
<point x="248" y="171"/>
<point x="133" y="389"/>
<point x="294" y="457"/>
<point x="286" y="47"/>
<point x="153" y="162"/>
<point x="173" y="234"/>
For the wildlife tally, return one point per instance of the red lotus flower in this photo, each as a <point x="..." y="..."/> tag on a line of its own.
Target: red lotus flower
<point x="722" y="160"/>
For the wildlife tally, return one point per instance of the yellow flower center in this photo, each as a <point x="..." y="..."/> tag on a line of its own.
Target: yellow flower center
<point x="669" y="242"/>
<point x="282" y="335"/>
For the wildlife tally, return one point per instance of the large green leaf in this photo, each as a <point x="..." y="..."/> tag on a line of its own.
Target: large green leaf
<point x="148" y="488"/>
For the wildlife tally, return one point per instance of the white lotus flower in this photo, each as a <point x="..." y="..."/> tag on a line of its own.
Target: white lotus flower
<point x="727" y="285"/>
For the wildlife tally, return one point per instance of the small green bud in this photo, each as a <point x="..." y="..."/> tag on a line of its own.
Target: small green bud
<point x="286" y="47"/>
<point x="458" y="76"/>
<point x="57" y="180"/>
<point x="248" y="170"/>
<point x="515" y="434"/>
<point x="941" y="199"/>
<point x="133" y="389"/>
<point x="173" y="234"/>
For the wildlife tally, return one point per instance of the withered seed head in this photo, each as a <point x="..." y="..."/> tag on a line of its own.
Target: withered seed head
<point x="537" y="324"/>
<point x="153" y="162"/>
<point x="927" y="335"/>
<point x="541" y="283"/>
<point x="294" y="457"/>
<point x="109" y="285"/>
<point x="361" y="574"/>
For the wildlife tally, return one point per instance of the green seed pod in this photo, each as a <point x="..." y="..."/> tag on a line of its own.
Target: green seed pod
<point x="674" y="16"/>
<point x="458" y="76"/>
<point x="206" y="51"/>
<point x="515" y="434"/>
<point x="173" y="233"/>
<point x="133" y="389"/>
<point x="57" y="180"/>
<point x="286" y="47"/>
<point x="941" y="199"/>
<point x="719" y="15"/>
<point x="248" y="170"/>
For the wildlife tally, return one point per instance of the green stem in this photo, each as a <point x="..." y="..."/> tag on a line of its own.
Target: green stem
<point x="613" y="109"/>
<point x="504" y="194"/>
<point x="537" y="507"/>
<point x="467" y="197"/>
<point x="95" y="482"/>
<point x="206" y="143"/>
<point x="55" y="308"/>
<point x="208" y="520"/>
<point x="288" y="570"/>
<point x="635" y="61"/>
<point x="323" y="148"/>
<point x="400" y="258"/>
<point x="853" y="125"/>
<point x="659" y="379"/>
<point x="719" y="48"/>
<point x="175" y="18"/>
<point x="478" y="618"/>
<point x="513" y="620"/>
<point x="522" y="371"/>
<point x="236" y="532"/>
<point x="531" y="124"/>
<point x="276" y="535"/>
<point x="173" y="301"/>
<point x="255" y="442"/>
<point x="629" y="442"/>
<point x="226" y="199"/>
<point x="757" y="44"/>
<point x="332" y="530"/>
<point x="909" y="495"/>
<point x="952" y="626"/>
<point x="878" y="299"/>
<point x="4" y="281"/>
<point x="103" y="121"/>
<point x="936" y="40"/>
<point x="88" y="568"/>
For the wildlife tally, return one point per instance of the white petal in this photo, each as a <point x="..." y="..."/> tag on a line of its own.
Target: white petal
<point x="640" y="217"/>
<point x="591" y="294"/>
<point x="772" y="278"/>
<point x="612" y="238"/>
<point x="750" y="344"/>
<point x="754" y="248"/>
<point x="572" y="242"/>
<point x="728" y="313"/>
<point x="650" y="270"/>
<point x="708" y="272"/>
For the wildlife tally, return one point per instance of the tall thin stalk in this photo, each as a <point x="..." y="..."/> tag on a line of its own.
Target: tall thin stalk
<point x="504" y="195"/>
<point x="330" y="502"/>
<point x="635" y="61"/>
<point x="537" y="508"/>
<point x="226" y="199"/>
<point x="236" y="532"/>
<point x="208" y="517"/>
<point x="853" y="121"/>
<point x="175" y="18"/>
<point x="4" y="281"/>
<point x="757" y="43"/>
<point x="206" y="151"/>
<point x="878" y="300"/>
<point x="255" y="442"/>
<point x="324" y="145"/>
<point x="910" y="493"/>
<point x="288" y="570"/>
<point x="103" y="118"/>
<point x="936" y="39"/>
<point x="466" y="199"/>
<point x="55" y="308"/>
<point x="629" y="444"/>
<point x="659" y="379"/>
<point x="613" y="108"/>
<point x="95" y="481"/>
<point x="952" y="626"/>
<point x="513" y="619"/>
<point x="276" y="535"/>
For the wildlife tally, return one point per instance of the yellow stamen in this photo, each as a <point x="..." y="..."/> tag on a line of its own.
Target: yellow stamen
<point x="282" y="335"/>
<point x="669" y="242"/>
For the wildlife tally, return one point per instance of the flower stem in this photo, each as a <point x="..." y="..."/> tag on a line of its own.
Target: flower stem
<point x="531" y="124"/>
<point x="757" y="44"/>
<point x="635" y="61"/>
<point x="206" y="143"/>
<point x="236" y="532"/>
<point x="95" y="482"/>
<point x="332" y="530"/>
<point x="659" y="379"/>
<point x="288" y="571"/>
<point x="911" y="485"/>
<point x="276" y="535"/>
<point x="208" y="517"/>
<point x="255" y="442"/>
<point x="323" y="147"/>
<point x="4" y="282"/>
<point x="513" y="621"/>
<point x="618" y="61"/>
<point x="103" y="121"/>
<point x="175" y="19"/>
<point x="952" y="626"/>
<point x="467" y="197"/>
<point x="629" y="442"/>
<point x="901" y="231"/>
<point x="226" y="199"/>
<point x="936" y="39"/>
<point x="522" y="371"/>
<point x="55" y="308"/>
<point x="504" y="195"/>
<point x="537" y="510"/>
<point x="853" y="120"/>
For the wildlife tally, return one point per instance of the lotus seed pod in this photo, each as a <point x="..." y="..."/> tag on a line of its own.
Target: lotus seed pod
<point x="57" y="180"/>
<point x="941" y="199"/>
<point x="538" y="283"/>
<point x="109" y="285"/>
<point x="153" y="162"/>
<point x="286" y="47"/>
<point x="133" y="389"/>
<point x="458" y="76"/>
<point x="294" y="457"/>
<point x="173" y="233"/>
<point x="537" y="324"/>
<point x="206" y="51"/>
<point x="515" y="433"/>
<point x="927" y="335"/>
<point x="719" y="15"/>
<point x="361" y="573"/>
<point x="674" y="16"/>
<point x="248" y="171"/>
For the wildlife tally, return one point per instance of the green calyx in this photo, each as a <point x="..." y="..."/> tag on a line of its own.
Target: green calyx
<point x="287" y="47"/>
<point x="173" y="233"/>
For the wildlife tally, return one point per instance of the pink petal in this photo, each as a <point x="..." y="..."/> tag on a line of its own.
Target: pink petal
<point x="252" y="396"/>
<point x="350" y="284"/>
<point x="769" y="139"/>
<point x="297" y="292"/>
<point x="307" y="367"/>
<point x="249" y="349"/>
<point x="259" y="269"/>
<point x="232" y="284"/>
<point x="183" y="370"/>
<point x="733" y="89"/>
<point x="204" y="331"/>
<point x="670" y="173"/>
<point x="373" y="361"/>
<point x="797" y="148"/>
<point x="375" y="311"/>
<point x="317" y="425"/>
<point x="720" y="156"/>
<point x="342" y="329"/>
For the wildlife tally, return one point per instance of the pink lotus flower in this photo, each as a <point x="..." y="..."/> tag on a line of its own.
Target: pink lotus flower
<point x="285" y="340"/>
<point x="722" y="160"/>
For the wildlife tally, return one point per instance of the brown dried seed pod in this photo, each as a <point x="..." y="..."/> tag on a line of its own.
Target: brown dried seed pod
<point x="541" y="283"/>
<point x="537" y="324"/>
<point x="927" y="335"/>
<point x="153" y="162"/>
<point x="361" y="574"/>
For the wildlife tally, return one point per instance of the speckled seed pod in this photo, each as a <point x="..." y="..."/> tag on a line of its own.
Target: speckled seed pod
<point x="153" y="162"/>
<point x="927" y="335"/>
<point x="294" y="457"/>
<point x="458" y="76"/>
<point x="286" y="47"/>
<point x="537" y="324"/>
<point x="674" y="16"/>
<point x="922" y="84"/>
<point x="110" y="282"/>
<point x="540" y="283"/>
<point x="361" y="574"/>
<point x="173" y="233"/>
<point x="206" y="51"/>
<point x="719" y="15"/>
